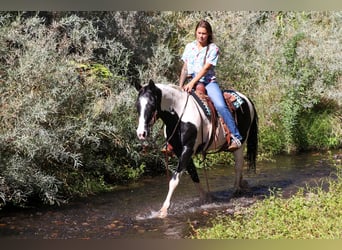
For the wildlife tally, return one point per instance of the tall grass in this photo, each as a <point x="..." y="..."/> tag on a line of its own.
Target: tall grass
<point x="312" y="213"/>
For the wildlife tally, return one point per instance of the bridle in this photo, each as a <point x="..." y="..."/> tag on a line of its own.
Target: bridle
<point x="154" y="119"/>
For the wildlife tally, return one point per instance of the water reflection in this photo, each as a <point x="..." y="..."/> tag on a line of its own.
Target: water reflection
<point x="131" y="211"/>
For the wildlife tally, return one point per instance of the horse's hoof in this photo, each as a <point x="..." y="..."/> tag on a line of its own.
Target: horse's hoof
<point x="241" y="189"/>
<point x="237" y="192"/>
<point x="205" y="198"/>
<point x="208" y="198"/>
<point x="162" y="214"/>
<point x="244" y="184"/>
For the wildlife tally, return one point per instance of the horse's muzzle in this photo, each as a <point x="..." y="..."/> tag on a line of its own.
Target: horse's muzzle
<point x="142" y="133"/>
<point x="142" y="136"/>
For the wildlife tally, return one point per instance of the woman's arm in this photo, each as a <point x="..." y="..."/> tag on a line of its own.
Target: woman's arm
<point x="183" y="74"/>
<point x="188" y="87"/>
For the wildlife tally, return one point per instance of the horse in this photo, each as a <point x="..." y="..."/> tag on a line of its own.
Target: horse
<point x="188" y="129"/>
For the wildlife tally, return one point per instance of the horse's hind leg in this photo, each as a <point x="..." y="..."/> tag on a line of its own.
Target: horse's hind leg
<point x="204" y="196"/>
<point x="238" y="183"/>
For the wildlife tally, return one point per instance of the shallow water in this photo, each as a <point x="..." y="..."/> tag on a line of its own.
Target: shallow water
<point x="131" y="211"/>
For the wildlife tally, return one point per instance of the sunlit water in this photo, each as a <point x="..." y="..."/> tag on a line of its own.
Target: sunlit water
<point x="132" y="211"/>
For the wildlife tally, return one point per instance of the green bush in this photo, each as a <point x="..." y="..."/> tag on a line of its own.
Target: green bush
<point x="271" y="142"/>
<point x="61" y="109"/>
<point x="319" y="128"/>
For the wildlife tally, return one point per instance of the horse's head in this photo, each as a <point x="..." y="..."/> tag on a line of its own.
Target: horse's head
<point x="148" y="105"/>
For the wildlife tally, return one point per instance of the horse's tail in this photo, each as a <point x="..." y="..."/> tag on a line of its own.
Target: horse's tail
<point x="252" y="142"/>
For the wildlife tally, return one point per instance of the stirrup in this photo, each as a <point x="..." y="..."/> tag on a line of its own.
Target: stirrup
<point x="167" y="150"/>
<point x="235" y="144"/>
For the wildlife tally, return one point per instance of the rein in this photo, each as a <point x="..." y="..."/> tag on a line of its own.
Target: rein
<point x="179" y="119"/>
<point x="204" y="150"/>
<point x="172" y="134"/>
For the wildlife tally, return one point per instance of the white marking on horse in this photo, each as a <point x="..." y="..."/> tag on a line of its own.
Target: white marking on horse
<point x="172" y="186"/>
<point x="141" y="130"/>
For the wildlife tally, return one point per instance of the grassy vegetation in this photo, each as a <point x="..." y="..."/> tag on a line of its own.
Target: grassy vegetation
<point x="312" y="213"/>
<point x="67" y="113"/>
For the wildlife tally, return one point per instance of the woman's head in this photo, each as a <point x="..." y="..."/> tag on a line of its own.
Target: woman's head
<point x="204" y="32"/>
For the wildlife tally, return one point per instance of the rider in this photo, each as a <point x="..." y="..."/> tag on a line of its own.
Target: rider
<point x="200" y="58"/>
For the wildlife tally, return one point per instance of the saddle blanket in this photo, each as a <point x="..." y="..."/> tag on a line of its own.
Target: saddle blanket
<point x="233" y="100"/>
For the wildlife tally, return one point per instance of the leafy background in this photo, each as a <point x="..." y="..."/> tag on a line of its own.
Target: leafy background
<point x="67" y="84"/>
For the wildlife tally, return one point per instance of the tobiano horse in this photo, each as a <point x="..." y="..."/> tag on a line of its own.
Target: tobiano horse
<point x="188" y="130"/>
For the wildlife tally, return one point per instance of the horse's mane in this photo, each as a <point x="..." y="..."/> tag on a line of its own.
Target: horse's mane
<point x="169" y="85"/>
<point x="164" y="87"/>
<point x="173" y="86"/>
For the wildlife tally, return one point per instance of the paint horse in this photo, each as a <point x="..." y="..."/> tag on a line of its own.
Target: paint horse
<point x="188" y="131"/>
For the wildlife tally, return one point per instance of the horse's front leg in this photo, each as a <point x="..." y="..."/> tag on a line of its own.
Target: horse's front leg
<point x="172" y="186"/>
<point x="182" y="163"/>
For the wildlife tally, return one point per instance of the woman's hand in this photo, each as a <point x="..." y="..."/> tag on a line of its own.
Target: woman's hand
<point x="188" y="87"/>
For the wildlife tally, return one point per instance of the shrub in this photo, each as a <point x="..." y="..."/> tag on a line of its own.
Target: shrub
<point x="61" y="103"/>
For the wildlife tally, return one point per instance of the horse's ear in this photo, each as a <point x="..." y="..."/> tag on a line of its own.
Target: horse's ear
<point x="137" y="83"/>
<point x="138" y="87"/>
<point x="151" y="84"/>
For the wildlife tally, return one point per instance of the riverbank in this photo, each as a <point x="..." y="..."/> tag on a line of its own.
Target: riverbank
<point x="312" y="213"/>
<point x="127" y="212"/>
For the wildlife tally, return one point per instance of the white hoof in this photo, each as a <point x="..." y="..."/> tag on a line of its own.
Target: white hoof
<point x="162" y="214"/>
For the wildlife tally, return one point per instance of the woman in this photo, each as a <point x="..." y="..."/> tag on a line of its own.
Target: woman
<point x="200" y="58"/>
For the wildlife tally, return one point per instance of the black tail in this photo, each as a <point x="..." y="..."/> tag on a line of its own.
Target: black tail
<point x="252" y="143"/>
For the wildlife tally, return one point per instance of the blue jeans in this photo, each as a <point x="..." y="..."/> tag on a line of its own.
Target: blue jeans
<point x="216" y="96"/>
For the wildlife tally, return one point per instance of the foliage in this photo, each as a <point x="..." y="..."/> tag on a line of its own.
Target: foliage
<point x="315" y="123"/>
<point x="273" y="57"/>
<point x="68" y="118"/>
<point x="60" y="105"/>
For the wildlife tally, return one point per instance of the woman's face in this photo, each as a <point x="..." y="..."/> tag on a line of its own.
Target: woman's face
<point x="202" y="36"/>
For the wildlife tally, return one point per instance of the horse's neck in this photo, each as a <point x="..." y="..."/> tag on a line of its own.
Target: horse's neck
<point x="173" y="98"/>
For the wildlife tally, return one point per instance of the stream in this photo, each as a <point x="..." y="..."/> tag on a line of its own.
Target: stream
<point x="130" y="212"/>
